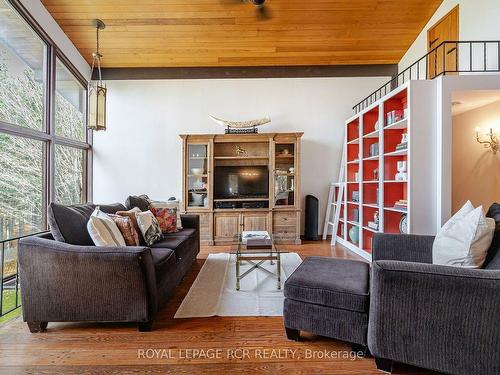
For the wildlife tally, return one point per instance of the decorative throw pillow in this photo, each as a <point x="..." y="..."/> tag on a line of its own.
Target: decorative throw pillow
<point x="149" y="227"/>
<point x="140" y="201"/>
<point x="131" y="214"/>
<point x="69" y="223"/>
<point x="167" y="219"/>
<point x="103" y="230"/>
<point x="464" y="240"/>
<point x="127" y="229"/>
<point x="169" y="204"/>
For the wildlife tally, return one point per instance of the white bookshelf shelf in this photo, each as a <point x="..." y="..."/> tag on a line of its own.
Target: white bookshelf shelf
<point x="376" y="157"/>
<point x="373" y="134"/>
<point x="370" y="229"/>
<point x="395" y="209"/>
<point x="401" y="124"/>
<point x="353" y="142"/>
<point x="397" y="152"/>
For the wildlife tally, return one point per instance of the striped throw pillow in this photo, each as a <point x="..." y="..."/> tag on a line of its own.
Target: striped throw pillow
<point x="103" y="230"/>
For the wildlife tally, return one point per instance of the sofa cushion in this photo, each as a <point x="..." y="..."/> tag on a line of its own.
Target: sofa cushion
<point x="492" y="261"/>
<point x="111" y="208"/>
<point x="103" y="230"/>
<point x="181" y="245"/>
<point x="69" y="223"/>
<point x="174" y="204"/>
<point x="163" y="259"/>
<point x="339" y="283"/>
<point x="139" y="201"/>
<point x="127" y="228"/>
<point x="150" y="229"/>
<point x="186" y="232"/>
<point x="464" y="239"/>
<point x="167" y="218"/>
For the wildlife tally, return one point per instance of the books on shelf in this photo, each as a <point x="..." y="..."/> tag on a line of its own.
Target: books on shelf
<point x="402" y="146"/>
<point x="401" y="204"/>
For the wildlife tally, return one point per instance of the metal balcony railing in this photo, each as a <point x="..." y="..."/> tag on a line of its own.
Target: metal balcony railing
<point x="449" y="57"/>
<point x="10" y="292"/>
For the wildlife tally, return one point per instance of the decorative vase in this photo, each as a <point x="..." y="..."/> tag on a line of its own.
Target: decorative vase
<point x="354" y="235"/>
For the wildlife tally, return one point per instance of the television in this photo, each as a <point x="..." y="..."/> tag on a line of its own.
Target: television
<point x="241" y="182"/>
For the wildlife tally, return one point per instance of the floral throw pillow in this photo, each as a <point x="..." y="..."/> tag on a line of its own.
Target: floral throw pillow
<point x="149" y="227"/>
<point x="127" y="229"/>
<point x="167" y="218"/>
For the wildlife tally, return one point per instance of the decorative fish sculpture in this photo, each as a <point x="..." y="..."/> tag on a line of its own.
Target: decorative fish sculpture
<point x="241" y="124"/>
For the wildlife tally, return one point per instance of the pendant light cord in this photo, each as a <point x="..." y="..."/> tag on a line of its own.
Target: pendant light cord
<point x="97" y="56"/>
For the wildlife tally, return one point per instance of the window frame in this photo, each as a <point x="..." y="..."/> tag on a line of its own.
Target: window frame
<point x="48" y="134"/>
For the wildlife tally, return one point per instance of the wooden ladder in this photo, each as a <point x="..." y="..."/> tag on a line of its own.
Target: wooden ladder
<point x="335" y="203"/>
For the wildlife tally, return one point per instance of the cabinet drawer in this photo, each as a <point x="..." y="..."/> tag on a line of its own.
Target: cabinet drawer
<point x="285" y="231"/>
<point x="285" y="218"/>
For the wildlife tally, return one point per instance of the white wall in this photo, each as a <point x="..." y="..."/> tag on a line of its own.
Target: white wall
<point x="475" y="174"/>
<point x="446" y="85"/>
<point x="50" y="26"/>
<point x="478" y="20"/>
<point x="141" y="150"/>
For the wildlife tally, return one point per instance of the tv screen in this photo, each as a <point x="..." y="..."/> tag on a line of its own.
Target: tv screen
<point x="241" y="182"/>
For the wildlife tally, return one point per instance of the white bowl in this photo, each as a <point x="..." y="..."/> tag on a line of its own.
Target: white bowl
<point x="197" y="170"/>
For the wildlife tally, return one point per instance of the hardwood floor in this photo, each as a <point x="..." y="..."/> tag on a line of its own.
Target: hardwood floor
<point x="233" y="345"/>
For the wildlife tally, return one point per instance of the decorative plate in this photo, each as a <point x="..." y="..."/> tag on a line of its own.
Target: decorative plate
<point x="403" y="224"/>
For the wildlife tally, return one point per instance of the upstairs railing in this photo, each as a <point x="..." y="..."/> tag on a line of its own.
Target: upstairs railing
<point x="450" y="57"/>
<point x="10" y="291"/>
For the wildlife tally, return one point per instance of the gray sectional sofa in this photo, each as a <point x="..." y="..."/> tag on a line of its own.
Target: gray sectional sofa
<point x="71" y="280"/>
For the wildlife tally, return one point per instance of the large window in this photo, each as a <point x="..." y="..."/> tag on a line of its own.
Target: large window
<point x="23" y="57"/>
<point x="69" y="175"/>
<point x="71" y="98"/>
<point x="44" y="146"/>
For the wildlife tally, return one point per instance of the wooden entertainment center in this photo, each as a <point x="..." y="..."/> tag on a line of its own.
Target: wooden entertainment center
<point x="238" y="182"/>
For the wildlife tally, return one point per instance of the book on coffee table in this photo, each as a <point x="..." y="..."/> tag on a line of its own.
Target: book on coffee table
<point x="259" y="243"/>
<point x="254" y="234"/>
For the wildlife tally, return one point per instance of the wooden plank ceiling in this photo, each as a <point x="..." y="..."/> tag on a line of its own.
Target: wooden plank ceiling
<point x="202" y="33"/>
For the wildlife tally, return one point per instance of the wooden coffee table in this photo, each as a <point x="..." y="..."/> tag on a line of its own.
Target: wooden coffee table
<point x="257" y="258"/>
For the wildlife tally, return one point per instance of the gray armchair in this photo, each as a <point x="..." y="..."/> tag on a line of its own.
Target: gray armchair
<point x="441" y="318"/>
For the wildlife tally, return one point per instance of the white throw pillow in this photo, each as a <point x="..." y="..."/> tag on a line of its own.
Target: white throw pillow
<point x="465" y="239"/>
<point x="103" y="230"/>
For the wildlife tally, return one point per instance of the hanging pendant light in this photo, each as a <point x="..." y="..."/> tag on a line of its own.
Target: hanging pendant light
<point x="96" y="115"/>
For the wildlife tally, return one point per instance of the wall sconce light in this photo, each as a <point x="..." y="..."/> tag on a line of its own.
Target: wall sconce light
<point x="492" y="143"/>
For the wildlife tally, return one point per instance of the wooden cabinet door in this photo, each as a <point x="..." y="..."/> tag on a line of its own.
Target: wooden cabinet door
<point x="255" y="221"/>
<point x="226" y="226"/>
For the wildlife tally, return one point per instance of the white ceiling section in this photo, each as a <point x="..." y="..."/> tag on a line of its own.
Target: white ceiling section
<point x="464" y="101"/>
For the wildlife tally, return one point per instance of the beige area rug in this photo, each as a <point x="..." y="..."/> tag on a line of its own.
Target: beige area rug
<point x="214" y="293"/>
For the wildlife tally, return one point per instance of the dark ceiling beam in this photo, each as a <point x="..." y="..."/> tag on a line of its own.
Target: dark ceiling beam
<point x="385" y="70"/>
